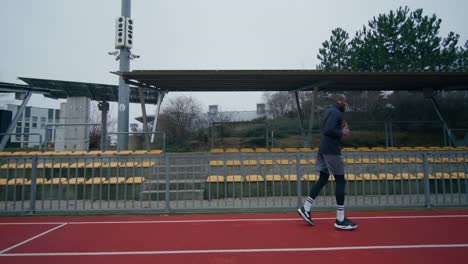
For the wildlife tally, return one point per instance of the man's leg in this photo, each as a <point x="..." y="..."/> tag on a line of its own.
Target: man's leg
<point x="341" y="221"/>
<point x="340" y="196"/>
<point x="304" y="211"/>
<point x="315" y="190"/>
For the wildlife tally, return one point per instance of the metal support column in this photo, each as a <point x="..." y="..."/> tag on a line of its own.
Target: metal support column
<point x="311" y="119"/>
<point x="446" y="128"/>
<point x="301" y="118"/>
<point x="104" y="108"/>
<point x="12" y="125"/>
<point x="145" y="122"/>
<point x="124" y="90"/>
<point x="156" y="115"/>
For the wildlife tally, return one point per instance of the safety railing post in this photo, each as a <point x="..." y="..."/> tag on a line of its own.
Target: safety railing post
<point x="167" y="193"/>
<point x="299" y="182"/>
<point x="427" y="196"/>
<point x="32" y="204"/>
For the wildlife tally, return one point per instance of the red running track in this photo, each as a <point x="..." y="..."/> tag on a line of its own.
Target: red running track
<point x="383" y="237"/>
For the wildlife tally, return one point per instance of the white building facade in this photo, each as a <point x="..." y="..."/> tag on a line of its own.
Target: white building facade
<point x="33" y="122"/>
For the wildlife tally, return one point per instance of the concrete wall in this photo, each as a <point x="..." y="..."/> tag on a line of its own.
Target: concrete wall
<point x="76" y="111"/>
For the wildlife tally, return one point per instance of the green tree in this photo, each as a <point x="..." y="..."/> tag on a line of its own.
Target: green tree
<point x="335" y="54"/>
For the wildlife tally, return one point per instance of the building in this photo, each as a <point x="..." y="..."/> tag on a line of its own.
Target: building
<point x="33" y="122"/>
<point x="235" y="116"/>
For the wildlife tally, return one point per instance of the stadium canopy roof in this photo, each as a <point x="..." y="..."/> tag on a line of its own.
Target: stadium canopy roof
<point x="62" y="89"/>
<point x="293" y="80"/>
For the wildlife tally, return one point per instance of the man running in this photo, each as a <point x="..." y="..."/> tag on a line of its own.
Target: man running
<point x="329" y="161"/>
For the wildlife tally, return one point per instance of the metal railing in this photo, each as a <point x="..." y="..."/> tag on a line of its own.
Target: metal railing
<point x="41" y="146"/>
<point x="128" y="182"/>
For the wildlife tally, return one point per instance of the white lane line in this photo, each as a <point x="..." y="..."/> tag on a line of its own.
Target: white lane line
<point x="235" y="220"/>
<point x="30" y="239"/>
<point x="217" y="251"/>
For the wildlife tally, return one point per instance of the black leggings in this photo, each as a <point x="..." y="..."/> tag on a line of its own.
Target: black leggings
<point x="323" y="180"/>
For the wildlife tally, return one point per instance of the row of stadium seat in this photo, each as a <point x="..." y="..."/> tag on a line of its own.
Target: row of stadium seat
<point x="374" y="149"/>
<point x="81" y="153"/>
<point x="349" y="177"/>
<point x="80" y="165"/>
<point x="347" y="161"/>
<point x="77" y="180"/>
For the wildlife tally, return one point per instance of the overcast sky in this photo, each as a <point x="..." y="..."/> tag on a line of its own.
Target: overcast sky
<point x="69" y="40"/>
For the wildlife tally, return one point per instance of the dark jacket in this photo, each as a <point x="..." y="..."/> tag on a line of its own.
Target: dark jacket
<point x="332" y="132"/>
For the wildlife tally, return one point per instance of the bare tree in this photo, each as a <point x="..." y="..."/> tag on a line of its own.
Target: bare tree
<point x="181" y="117"/>
<point x="279" y="104"/>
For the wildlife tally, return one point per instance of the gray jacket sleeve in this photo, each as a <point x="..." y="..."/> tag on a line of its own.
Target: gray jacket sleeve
<point x="332" y="126"/>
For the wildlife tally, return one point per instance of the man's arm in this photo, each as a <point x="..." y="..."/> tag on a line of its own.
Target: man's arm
<point x="332" y="126"/>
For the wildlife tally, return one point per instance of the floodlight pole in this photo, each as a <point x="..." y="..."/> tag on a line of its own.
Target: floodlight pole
<point x="124" y="90"/>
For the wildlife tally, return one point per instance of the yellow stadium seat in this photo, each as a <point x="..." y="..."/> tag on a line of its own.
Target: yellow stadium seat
<point x="19" y="181"/>
<point x="312" y="161"/>
<point x="309" y="177"/>
<point x="266" y="162"/>
<point x="154" y="152"/>
<point x="96" y="180"/>
<point x="5" y="154"/>
<point x="136" y="180"/>
<point x="216" y="163"/>
<point x="369" y="161"/>
<point x="305" y="150"/>
<point x="25" y="166"/>
<point x="247" y="150"/>
<point x="10" y="166"/>
<point x="77" y="180"/>
<point x="62" y="165"/>
<point x="80" y="153"/>
<point x="385" y="176"/>
<point x="124" y="152"/>
<point x="215" y="178"/>
<point x="440" y="175"/>
<point x="140" y="152"/>
<point x="217" y="151"/>
<point x="276" y="150"/>
<point x="234" y="178"/>
<point x="59" y="180"/>
<point x="261" y="150"/>
<point x="94" y="153"/>
<point x="249" y="162"/>
<point x="349" y="149"/>
<point x="400" y="160"/>
<point x="232" y="150"/>
<point x="363" y="149"/>
<point x="274" y="177"/>
<point x="291" y="149"/>
<point x="415" y="160"/>
<point x="379" y="149"/>
<point x="110" y="152"/>
<point x="385" y="160"/>
<point x="368" y="176"/>
<point x="290" y="177"/>
<point x="253" y="178"/>
<point x="407" y="176"/>
<point x="3" y="181"/>
<point x="419" y="175"/>
<point x="233" y="163"/>
<point x="148" y="164"/>
<point x="116" y="180"/>
<point x="349" y="177"/>
<point x="458" y="175"/>
<point x="352" y="161"/>
<point x="282" y="162"/>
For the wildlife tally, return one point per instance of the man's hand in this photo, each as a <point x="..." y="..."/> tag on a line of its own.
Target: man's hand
<point x="345" y="127"/>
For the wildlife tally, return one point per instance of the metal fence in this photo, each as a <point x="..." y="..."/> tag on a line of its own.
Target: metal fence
<point x="151" y="182"/>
